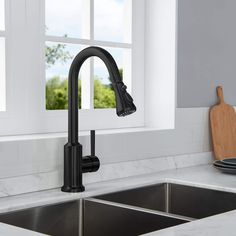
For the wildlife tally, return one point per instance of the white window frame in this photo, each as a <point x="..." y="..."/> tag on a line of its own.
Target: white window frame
<point x="3" y="82"/>
<point x="25" y="84"/>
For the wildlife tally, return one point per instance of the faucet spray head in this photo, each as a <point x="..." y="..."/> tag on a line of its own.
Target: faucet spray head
<point x="124" y="102"/>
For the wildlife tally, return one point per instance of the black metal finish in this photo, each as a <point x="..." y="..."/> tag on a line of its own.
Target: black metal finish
<point x="88" y="218"/>
<point x="91" y="163"/>
<point x="74" y="163"/>
<point x="92" y="142"/>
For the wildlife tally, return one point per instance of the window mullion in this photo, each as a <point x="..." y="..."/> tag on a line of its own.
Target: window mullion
<point x="92" y="19"/>
<point x="92" y="83"/>
<point x="85" y="85"/>
<point x="92" y="59"/>
<point x="17" y="75"/>
<point x="86" y="73"/>
<point x="3" y="63"/>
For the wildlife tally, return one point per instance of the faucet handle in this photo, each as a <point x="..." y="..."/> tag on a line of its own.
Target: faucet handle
<point x="92" y="142"/>
<point x="91" y="163"/>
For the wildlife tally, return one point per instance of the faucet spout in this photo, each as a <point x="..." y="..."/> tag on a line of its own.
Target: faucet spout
<point x="73" y="160"/>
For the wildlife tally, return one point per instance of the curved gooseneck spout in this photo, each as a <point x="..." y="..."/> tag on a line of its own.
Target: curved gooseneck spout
<point x="73" y="160"/>
<point x="124" y="104"/>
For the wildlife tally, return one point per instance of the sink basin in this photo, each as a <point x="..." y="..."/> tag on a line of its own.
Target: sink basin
<point x="130" y="212"/>
<point x="89" y="217"/>
<point x="176" y="199"/>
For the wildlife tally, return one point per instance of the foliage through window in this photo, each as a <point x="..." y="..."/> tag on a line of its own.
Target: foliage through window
<point x="107" y="23"/>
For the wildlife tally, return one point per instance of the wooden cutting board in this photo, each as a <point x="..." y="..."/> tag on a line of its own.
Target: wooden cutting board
<point x="223" y="128"/>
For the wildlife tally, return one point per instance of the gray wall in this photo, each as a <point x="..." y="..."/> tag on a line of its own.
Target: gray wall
<point x="206" y="51"/>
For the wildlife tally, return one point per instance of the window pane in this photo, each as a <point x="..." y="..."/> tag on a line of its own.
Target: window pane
<point x="2" y="15"/>
<point x="113" y="20"/>
<point x="2" y="76"/>
<point x="104" y="96"/>
<point x="58" y="59"/>
<point x="67" y="18"/>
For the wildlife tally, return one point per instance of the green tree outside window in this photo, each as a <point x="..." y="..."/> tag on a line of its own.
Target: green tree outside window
<point x="57" y="89"/>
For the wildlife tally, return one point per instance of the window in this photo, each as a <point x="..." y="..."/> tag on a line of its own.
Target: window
<point x="105" y="23"/>
<point x="42" y="37"/>
<point x="2" y="57"/>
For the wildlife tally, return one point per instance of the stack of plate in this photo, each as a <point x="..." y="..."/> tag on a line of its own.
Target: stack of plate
<point x="227" y="165"/>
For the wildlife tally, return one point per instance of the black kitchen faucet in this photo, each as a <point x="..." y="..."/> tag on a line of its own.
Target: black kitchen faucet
<point x="74" y="162"/>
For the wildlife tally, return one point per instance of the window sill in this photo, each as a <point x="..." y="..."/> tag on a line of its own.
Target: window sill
<point x="81" y="134"/>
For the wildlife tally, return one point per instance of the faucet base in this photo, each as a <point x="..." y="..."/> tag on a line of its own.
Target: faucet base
<point x="69" y="189"/>
<point x="72" y="168"/>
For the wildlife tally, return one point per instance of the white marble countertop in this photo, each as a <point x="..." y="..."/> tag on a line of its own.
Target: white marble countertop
<point x="200" y="176"/>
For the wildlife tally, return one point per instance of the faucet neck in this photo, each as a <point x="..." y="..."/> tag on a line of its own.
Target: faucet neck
<point x="73" y="85"/>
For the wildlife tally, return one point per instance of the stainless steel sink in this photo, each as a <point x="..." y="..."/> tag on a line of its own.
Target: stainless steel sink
<point x="89" y="217"/>
<point x="177" y="199"/>
<point x="130" y="212"/>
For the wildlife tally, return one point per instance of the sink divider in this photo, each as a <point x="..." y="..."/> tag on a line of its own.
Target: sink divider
<point x="141" y="209"/>
<point x="81" y="217"/>
<point x="167" y="197"/>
